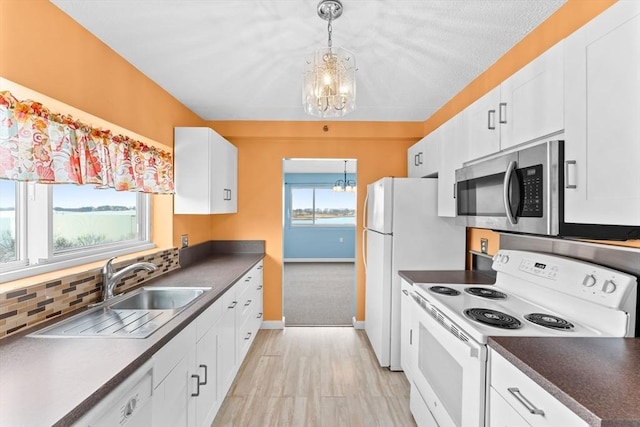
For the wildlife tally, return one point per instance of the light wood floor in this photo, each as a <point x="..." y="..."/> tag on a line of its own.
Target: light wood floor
<point x="315" y="376"/>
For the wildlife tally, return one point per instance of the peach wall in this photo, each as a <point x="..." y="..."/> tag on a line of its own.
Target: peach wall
<point x="260" y="184"/>
<point x="44" y="50"/>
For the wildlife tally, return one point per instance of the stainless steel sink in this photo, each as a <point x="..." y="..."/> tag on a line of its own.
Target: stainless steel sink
<point x="136" y="315"/>
<point x="159" y="299"/>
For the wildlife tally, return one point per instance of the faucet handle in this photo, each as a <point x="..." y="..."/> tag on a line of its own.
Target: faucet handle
<point x="108" y="268"/>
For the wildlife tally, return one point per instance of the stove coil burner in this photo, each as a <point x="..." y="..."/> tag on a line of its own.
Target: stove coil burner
<point x="443" y="290"/>
<point x="494" y="318"/>
<point x="548" y="321"/>
<point x="486" y="293"/>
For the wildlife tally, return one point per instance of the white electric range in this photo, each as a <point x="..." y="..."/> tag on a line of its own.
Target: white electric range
<point x="535" y="294"/>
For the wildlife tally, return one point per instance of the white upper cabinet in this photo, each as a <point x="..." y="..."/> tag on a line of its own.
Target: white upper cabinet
<point x="483" y="129"/>
<point x="424" y="156"/>
<point x="206" y="172"/>
<point x="528" y="105"/>
<point x="602" y="119"/>
<point x="453" y="152"/>
<point x="532" y="100"/>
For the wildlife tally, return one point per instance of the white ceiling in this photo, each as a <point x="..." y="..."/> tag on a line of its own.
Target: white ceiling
<point x="243" y="59"/>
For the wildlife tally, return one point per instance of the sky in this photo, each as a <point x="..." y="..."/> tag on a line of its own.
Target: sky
<point x="73" y="196"/>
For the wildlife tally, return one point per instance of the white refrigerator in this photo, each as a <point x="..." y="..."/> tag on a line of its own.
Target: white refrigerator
<point x="402" y="231"/>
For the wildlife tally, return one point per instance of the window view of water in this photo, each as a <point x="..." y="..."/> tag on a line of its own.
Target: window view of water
<point x="322" y="206"/>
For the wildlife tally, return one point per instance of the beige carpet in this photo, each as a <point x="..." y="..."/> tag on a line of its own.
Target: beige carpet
<point x="319" y="294"/>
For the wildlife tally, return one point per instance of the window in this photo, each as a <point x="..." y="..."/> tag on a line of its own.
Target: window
<point x="320" y="206"/>
<point x="8" y="221"/>
<point x="67" y="225"/>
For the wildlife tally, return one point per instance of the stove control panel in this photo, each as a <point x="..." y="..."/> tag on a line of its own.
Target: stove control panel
<point x="570" y="276"/>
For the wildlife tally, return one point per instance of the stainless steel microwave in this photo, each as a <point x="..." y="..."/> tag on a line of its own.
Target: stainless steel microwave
<point x="523" y="192"/>
<point x="515" y="192"/>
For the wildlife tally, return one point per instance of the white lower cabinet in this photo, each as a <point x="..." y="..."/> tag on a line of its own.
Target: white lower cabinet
<point x="193" y="372"/>
<point x="406" y="328"/>
<point x="515" y="400"/>
<point x="171" y="381"/>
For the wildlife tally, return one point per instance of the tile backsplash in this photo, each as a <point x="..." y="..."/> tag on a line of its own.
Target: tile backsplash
<point x="24" y="308"/>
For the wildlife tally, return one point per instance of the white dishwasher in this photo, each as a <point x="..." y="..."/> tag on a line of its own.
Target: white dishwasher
<point x="128" y="405"/>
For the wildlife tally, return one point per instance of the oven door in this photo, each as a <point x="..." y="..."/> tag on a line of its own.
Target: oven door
<point x="448" y="369"/>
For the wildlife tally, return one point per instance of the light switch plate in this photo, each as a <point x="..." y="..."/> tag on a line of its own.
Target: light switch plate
<point x="184" y="239"/>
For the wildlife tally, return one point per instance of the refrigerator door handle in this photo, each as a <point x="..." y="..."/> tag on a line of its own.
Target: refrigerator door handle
<point x="364" y="211"/>
<point x="364" y="249"/>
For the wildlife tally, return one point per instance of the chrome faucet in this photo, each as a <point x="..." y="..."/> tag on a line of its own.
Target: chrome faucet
<point x="110" y="279"/>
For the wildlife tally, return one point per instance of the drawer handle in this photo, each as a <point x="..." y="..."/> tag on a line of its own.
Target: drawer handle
<point x="248" y="303"/>
<point x="248" y="336"/>
<point x="205" y="376"/>
<point x="525" y="402"/>
<point x="233" y="304"/>
<point x="259" y="287"/>
<point x="259" y="315"/>
<point x="404" y="291"/>
<point x="197" y="393"/>
<point x="248" y="279"/>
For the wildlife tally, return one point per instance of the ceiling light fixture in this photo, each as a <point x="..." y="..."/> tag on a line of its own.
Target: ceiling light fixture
<point x="348" y="185"/>
<point x="330" y="74"/>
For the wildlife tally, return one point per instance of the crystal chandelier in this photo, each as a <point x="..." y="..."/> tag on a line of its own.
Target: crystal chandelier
<point x="330" y="73"/>
<point x="345" y="184"/>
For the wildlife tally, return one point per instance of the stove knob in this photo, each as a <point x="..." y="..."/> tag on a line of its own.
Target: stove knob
<point x="589" y="280"/>
<point x="505" y="259"/>
<point x="609" y="287"/>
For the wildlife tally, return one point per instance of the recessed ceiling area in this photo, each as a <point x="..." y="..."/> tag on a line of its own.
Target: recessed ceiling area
<point x="243" y="59"/>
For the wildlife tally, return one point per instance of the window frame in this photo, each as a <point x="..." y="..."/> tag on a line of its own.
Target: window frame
<point x="34" y="236"/>
<point x="314" y="224"/>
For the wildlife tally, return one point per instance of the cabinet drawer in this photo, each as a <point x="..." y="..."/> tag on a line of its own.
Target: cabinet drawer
<point x="208" y="318"/>
<point x="530" y="401"/>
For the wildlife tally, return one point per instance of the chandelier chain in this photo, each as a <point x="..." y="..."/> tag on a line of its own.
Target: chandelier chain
<point x="329" y="31"/>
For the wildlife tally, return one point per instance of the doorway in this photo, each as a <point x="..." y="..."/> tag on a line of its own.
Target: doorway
<point x="319" y="241"/>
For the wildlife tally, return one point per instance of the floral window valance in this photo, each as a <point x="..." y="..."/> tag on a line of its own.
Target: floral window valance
<point x="39" y="145"/>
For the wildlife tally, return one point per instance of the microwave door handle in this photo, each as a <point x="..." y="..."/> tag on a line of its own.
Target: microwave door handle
<point x="511" y="169"/>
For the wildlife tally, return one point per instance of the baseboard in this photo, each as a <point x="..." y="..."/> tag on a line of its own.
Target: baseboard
<point x="357" y="324"/>
<point x="272" y="324"/>
<point x="351" y="260"/>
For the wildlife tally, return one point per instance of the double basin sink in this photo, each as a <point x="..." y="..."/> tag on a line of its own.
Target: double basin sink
<point x="134" y="315"/>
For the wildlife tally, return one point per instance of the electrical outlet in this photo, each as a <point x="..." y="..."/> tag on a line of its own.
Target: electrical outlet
<point x="184" y="239"/>
<point x="483" y="245"/>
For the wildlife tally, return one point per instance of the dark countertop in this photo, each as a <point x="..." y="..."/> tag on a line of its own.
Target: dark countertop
<point x="461" y="277"/>
<point x="597" y="378"/>
<point x="54" y="381"/>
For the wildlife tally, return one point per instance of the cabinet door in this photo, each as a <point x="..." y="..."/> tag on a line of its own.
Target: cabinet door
<point x="224" y="175"/>
<point x="207" y="400"/>
<point x="406" y="337"/>
<point x="415" y="157"/>
<point x="501" y="414"/>
<point x="532" y="100"/>
<point x="227" y="342"/>
<point x="483" y="129"/>
<point x="453" y="150"/>
<point x="602" y="133"/>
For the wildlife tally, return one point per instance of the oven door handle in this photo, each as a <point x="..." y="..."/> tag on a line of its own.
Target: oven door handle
<point x="506" y="186"/>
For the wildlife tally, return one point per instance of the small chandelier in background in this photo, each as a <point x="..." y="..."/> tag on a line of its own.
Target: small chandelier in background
<point x="345" y="184"/>
<point x="330" y="74"/>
